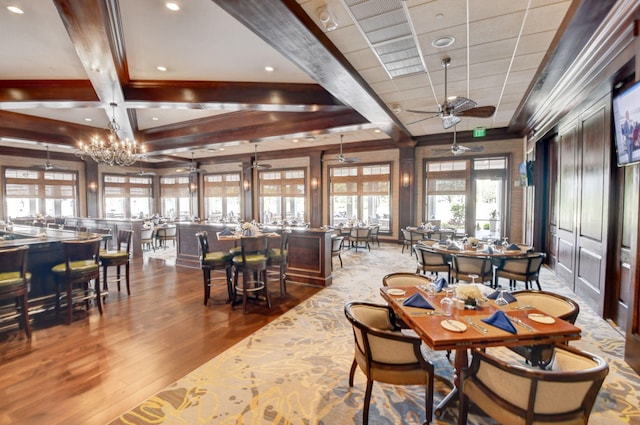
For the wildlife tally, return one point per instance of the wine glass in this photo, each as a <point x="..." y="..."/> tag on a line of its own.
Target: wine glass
<point x="473" y="278"/>
<point x="501" y="300"/>
<point x="447" y="302"/>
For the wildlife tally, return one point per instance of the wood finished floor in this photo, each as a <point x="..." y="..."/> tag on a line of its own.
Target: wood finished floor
<point x="97" y="368"/>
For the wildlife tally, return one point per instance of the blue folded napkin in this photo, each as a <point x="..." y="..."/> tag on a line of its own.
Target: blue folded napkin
<point x="453" y="247"/>
<point x="501" y="321"/>
<point x="417" y="300"/>
<point x="440" y="283"/>
<point x="507" y="296"/>
<point x="436" y="228"/>
<point x="488" y="250"/>
<point x="443" y="241"/>
<point x="513" y="247"/>
<point x="226" y="232"/>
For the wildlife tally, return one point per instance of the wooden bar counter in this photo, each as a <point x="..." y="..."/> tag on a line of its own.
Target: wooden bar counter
<point x="309" y="250"/>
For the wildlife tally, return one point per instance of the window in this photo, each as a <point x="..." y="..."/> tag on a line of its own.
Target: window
<point x="126" y="196"/>
<point x="222" y="196"/>
<point x="176" y="197"/>
<point x="467" y="195"/>
<point x="360" y="193"/>
<point x="32" y="192"/>
<point x="282" y="196"/>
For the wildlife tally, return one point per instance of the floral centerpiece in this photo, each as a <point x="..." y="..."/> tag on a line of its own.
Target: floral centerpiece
<point x="247" y="229"/>
<point x="469" y="294"/>
<point x="473" y="242"/>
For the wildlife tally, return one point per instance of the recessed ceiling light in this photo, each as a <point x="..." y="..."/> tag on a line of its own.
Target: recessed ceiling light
<point x="268" y="68"/>
<point x="161" y="68"/>
<point x="442" y="42"/>
<point x="295" y="140"/>
<point x="155" y="118"/>
<point x="173" y="6"/>
<point x="377" y="130"/>
<point x="15" y="9"/>
<point x="88" y="119"/>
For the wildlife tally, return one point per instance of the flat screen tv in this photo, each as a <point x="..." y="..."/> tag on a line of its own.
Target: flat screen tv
<point x="626" y="121"/>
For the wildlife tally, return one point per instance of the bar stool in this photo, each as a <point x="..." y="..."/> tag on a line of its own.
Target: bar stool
<point x="278" y="260"/>
<point x="117" y="258"/>
<point x="14" y="282"/>
<point x="81" y="265"/>
<point x="252" y="263"/>
<point x="213" y="261"/>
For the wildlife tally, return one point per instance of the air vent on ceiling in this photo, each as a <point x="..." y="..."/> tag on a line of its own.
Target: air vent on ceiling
<point x="387" y="26"/>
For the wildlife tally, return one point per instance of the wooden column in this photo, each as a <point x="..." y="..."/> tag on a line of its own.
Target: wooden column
<point x="407" y="188"/>
<point x="91" y="189"/>
<point x="316" y="187"/>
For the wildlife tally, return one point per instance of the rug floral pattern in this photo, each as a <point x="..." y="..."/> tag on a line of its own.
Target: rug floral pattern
<point x="295" y="370"/>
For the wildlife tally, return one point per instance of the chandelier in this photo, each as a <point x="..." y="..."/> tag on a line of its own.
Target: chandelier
<point x="111" y="151"/>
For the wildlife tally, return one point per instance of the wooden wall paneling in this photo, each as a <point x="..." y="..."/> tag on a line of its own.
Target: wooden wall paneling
<point x="568" y="184"/>
<point x="626" y="210"/>
<point x="594" y="200"/>
<point x="553" y="189"/>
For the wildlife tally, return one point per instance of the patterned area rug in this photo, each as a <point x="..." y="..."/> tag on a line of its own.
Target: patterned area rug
<point x="295" y="370"/>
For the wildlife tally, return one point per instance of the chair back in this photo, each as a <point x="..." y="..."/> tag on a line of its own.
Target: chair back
<point x="374" y="230"/>
<point x="564" y="393"/>
<point x="405" y="279"/>
<point x="406" y="235"/>
<point x="528" y="266"/>
<point x="124" y="240"/>
<point x="13" y="261"/>
<point x="360" y="233"/>
<point x="550" y="303"/>
<point x="430" y="257"/>
<point x="336" y="245"/>
<point x="466" y="265"/>
<point x="203" y="242"/>
<point x="86" y="250"/>
<point x="254" y="245"/>
<point x="146" y="234"/>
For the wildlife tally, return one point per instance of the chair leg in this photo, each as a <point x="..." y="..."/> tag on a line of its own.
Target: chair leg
<point x="118" y="276"/>
<point x="538" y="283"/>
<point x="98" y="296"/>
<point x="105" y="285"/>
<point x="367" y="401"/>
<point x="206" y="275"/>
<point x="352" y="372"/>
<point x="340" y="260"/>
<point x="126" y="271"/>
<point x="463" y="408"/>
<point x="24" y="307"/>
<point x="69" y="304"/>
<point x="229" y="273"/>
<point x="266" y="288"/>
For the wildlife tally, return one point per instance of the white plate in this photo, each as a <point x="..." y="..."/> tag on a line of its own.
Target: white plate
<point x="453" y="325"/>
<point x="395" y="291"/>
<point x="541" y="318"/>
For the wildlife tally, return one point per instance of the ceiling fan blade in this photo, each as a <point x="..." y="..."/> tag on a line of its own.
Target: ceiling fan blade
<point x="423" y="119"/>
<point x="415" y="111"/>
<point x="460" y="104"/>
<point x="479" y="112"/>
<point x="449" y="121"/>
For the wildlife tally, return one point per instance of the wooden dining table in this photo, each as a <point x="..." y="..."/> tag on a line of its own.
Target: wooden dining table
<point x="498" y="252"/>
<point x="430" y="326"/>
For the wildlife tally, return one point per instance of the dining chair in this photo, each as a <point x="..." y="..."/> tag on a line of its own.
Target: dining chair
<point x="81" y="265"/>
<point x="164" y="234"/>
<point x="117" y="258"/>
<point x="336" y="249"/>
<point x="360" y="237"/>
<point x="521" y="268"/>
<point x="400" y="279"/>
<point x="515" y="394"/>
<point x="430" y="260"/>
<point x="384" y="354"/>
<point x="409" y="239"/>
<point x="14" y="283"/>
<point x="278" y="259"/>
<point x="147" y="239"/>
<point x="550" y="303"/>
<point x="214" y="262"/>
<point x="252" y="264"/>
<point x="373" y="235"/>
<point x="463" y="267"/>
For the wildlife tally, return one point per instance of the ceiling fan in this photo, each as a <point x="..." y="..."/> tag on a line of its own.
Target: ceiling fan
<point x="344" y="159"/>
<point x="141" y="172"/>
<point x="457" y="149"/>
<point x="452" y="109"/>
<point x="48" y="166"/>
<point x="257" y="165"/>
<point x="193" y="167"/>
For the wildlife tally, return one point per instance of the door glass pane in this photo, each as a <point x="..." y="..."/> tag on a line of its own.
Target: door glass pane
<point x="449" y="210"/>
<point x="489" y="217"/>
<point x="345" y="209"/>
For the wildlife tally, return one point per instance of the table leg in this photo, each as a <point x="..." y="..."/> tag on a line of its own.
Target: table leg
<point x="460" y="361"/>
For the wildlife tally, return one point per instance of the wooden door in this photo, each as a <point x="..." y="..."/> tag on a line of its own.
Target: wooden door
<point x="632" y="344"/>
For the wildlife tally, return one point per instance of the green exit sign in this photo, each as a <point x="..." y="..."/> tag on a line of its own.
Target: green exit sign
<point x="479" y="132"/>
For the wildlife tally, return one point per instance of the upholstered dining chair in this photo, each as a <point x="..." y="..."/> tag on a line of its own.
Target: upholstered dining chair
<point x="384" y="354"/>
<point x="373" y="235"/>
<point x="400" y="279"/>
<point x="360" y="237"/>
<point x="217" y="261"/>
<point x="14" y="283"/>
<point x="278" y="259"/>
<point x="252" y="264"/>
<point x="409" y="239"/>
<point x="521" y="268"/>
<point x="81" y="265"/>
<point x="514" y="394"/>
<point x="147" y="239"/>
<point x="164" y="234"/>
<point x="117" y="258"/>
<point x="336" y="249"/>
<point x="464" y="266"/>
<point x="430" y="260"/>
<point x="550" y="303"/>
